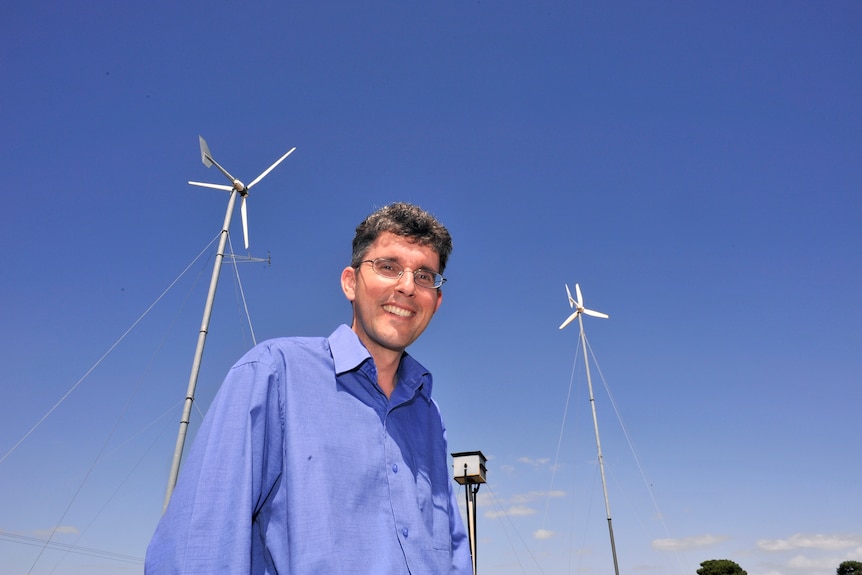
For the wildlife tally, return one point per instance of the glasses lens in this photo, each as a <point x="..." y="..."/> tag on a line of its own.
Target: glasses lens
<point x="387" y="268"/>
<point x="392" y="269"/>
<point x="426" y="278"/>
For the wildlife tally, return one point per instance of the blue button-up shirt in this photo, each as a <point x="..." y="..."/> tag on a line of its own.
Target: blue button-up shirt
<point x="303" y="466"/>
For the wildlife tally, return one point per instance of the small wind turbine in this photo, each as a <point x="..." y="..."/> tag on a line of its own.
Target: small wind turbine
<point x="237" y="187"/>
<point x="580" y="310"/>
<point x="580" y="307"/>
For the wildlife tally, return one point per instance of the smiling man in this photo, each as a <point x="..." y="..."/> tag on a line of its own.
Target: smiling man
<point x="328" y="455"/>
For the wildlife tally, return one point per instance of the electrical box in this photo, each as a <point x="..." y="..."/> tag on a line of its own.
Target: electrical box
<point x="469" y="467"/>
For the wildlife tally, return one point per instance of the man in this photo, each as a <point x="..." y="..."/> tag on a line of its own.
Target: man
<point x="328" y="455"/>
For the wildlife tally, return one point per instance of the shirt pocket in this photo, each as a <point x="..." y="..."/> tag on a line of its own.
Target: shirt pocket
<point x="434" y="507"/>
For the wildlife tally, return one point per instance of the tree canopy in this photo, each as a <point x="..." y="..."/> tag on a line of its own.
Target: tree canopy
<point x="850" y="568"/>
<point x="725" y="567"/>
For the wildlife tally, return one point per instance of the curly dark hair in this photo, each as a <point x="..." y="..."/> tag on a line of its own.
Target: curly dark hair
<point x="405" y="220"/>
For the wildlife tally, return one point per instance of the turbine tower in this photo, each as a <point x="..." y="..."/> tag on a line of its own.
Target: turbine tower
<point x="579" y="312"/>
<point x="236" y="187"/>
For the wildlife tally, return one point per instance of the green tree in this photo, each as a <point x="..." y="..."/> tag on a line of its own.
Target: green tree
<point x="850" y="568"/>
<point x="723" y="567"/>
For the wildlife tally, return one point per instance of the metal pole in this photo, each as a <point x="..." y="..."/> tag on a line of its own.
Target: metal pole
<point x="475" y="536"/>
<point x="470" y="497"/>
<point x="599" y="446"/>
<point x="199" y="352"/>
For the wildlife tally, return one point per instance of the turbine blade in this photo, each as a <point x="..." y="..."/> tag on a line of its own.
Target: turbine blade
<point x="244" y="212"/>
<point x="206" y="156"/>
<point x="580" y="297"/>
<point x="216" y="186"/>
<point x="269" y="169"/>
<point x="569" y="319"/>
<point x="596" y="313"/>
<point x="569" y="293"/>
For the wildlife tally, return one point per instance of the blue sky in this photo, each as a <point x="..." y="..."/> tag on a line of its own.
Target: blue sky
<point x="695" y="167"/>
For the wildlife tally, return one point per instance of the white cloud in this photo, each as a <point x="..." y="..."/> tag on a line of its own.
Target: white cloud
<point x="518" y="505"/>
<point x="685" y="543"/>
<point x="534" y="495"/>
<point x="534" y="462"/>
<point x="512" y="511"/>
<point x="543" y="534"/>
<point x="818" y="541"/>
<point x="774" y="545"/>
<point x="808" y="565"/>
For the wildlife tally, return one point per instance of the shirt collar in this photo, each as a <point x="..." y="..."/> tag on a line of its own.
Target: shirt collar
<point x="348" y="353"/>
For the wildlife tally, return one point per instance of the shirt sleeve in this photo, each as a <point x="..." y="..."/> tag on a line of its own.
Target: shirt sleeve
<point x="230" y="471"/>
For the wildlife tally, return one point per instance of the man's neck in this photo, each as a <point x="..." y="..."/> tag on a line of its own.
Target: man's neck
<point x="387" y="370"/>
<point x="386" y="361"/>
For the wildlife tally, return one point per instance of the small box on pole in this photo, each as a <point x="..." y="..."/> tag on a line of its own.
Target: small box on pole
<point x="468" y="467"/>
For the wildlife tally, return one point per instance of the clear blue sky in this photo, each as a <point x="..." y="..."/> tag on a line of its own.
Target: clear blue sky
<point x="694" y="166"/>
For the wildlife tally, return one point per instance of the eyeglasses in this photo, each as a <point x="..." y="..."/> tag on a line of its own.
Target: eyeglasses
<point x="390" y="269"/>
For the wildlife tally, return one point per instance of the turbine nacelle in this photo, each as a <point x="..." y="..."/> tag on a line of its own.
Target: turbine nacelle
<point x="237" y="186"/>
<point x="578" y="305"/>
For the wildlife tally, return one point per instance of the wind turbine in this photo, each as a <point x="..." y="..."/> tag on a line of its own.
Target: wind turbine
<point x="580" y="307"/>
<point x="237" y="187"/>
<point x="580" y="311"/>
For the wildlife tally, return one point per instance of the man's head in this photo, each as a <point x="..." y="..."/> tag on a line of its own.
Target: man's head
<point x="405" y="220"/>
<point x="391" y="310"/>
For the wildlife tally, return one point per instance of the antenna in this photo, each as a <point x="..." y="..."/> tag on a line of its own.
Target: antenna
<point x="237" y="187"/>
<point x="579" y="312"/>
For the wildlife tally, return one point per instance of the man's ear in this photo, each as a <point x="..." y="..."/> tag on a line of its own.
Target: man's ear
<point x="348" y="283"/>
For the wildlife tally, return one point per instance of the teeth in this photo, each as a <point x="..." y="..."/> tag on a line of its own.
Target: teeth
<point x="398" y="311"/>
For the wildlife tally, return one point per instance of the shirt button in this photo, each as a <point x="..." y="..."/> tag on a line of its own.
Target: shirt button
<point x="404" y="532"/>
<point x="394" y="468"/>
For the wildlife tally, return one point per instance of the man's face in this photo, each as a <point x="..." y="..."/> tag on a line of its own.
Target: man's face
<point x="389" y="314"/>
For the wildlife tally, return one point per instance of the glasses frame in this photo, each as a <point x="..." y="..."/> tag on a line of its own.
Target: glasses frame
<point x="438" y="277"/>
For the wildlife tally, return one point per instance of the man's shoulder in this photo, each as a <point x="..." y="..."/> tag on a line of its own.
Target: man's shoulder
<point x="279" y="351"/>
<point x="341" y="348"/>
<point x="342" y="336"/>
<point x="287" y="347"/>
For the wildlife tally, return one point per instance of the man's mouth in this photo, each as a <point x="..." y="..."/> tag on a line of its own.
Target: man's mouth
<point x="399" y="311"/>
